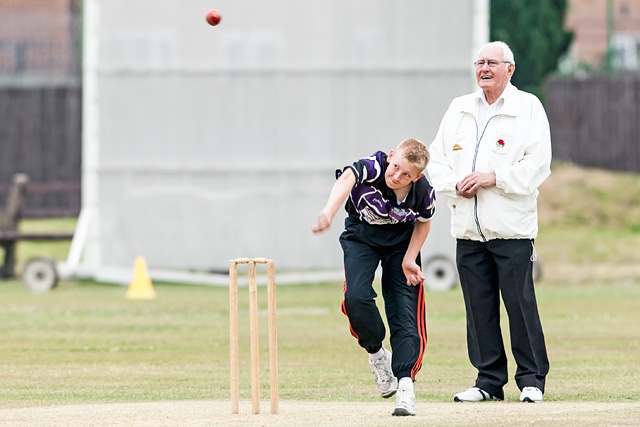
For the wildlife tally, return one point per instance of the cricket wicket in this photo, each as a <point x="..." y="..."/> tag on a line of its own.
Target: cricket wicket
<point x="253" y="333"/>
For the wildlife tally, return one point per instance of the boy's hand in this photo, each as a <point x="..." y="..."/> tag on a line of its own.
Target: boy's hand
<point x="337" y="196"/>
<point x="412" y="272"/>
<point x="323" y="222"/>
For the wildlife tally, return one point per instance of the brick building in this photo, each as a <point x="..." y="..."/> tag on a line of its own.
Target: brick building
<point x="588" y="19"/>
<point x="39" y="38"/>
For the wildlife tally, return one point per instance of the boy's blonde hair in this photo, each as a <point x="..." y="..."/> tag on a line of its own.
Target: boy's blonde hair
<point x="415" y="152"/>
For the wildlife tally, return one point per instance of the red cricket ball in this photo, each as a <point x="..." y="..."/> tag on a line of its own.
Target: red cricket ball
<point x="213" y="17"/>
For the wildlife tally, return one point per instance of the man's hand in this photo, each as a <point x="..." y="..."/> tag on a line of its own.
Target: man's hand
<point x="470" y="183"/>
<point x="412" y="272"/>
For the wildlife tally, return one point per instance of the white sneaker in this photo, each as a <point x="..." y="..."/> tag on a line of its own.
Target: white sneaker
<point x="531" y="395"/>
<point x="405" y="402"/>
<point x="386" y="382"/>
<point x="474" y="394"/>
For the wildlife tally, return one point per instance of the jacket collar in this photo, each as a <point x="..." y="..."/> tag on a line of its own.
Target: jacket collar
<point x="508" y="108"/>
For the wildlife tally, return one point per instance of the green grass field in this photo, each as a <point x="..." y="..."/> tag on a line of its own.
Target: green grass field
<point x="86" y="343"/>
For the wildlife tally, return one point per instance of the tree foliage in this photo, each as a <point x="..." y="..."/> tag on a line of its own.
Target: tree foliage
<point x="535" y="32"/>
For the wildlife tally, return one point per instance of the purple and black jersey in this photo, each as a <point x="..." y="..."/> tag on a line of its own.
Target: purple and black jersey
<point x="373" y="202"/>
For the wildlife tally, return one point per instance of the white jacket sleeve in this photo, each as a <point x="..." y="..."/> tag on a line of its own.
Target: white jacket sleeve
<point x="442" y="177"/>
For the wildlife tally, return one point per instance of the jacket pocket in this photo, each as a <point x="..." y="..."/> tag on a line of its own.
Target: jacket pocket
<point x="502" y="144"/>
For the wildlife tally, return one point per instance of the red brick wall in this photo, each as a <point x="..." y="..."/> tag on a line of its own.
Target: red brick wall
<point x="588" y="20"/>
<point x="39" y="37"/>
<point x="35" y="5"/>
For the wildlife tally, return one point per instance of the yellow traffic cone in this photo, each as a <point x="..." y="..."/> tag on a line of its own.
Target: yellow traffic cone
<point x="140" y="286"/>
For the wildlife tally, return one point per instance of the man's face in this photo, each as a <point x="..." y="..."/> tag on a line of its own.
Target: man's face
<point x="493" y="78"/>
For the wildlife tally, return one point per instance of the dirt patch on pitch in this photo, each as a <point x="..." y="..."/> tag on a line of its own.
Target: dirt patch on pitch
<point x="338" y="414"/>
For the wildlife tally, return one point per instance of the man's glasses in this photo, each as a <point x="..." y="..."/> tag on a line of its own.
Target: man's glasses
<point x="492" y="63"/>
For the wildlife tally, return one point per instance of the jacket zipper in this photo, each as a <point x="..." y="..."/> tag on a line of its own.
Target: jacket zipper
<point x="473" y="169"/>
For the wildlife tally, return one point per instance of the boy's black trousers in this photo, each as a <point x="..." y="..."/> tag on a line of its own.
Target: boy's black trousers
<point x="366" y="247"/>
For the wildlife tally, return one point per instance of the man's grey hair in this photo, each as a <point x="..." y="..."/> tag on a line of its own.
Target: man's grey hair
<point x="507" y="54"/>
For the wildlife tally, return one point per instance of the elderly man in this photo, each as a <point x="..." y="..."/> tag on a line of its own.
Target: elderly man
<point x="490" y="155"/>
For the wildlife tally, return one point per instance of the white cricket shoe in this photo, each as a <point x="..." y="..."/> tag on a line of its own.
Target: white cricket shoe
<point x="405" y="402"/>
<point x="386" y="382"/>
<point x="474" y="394"/>
<point x="531" y="395"/>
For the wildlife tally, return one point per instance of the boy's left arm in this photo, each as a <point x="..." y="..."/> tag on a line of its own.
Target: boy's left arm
<point x="411" y="269"/>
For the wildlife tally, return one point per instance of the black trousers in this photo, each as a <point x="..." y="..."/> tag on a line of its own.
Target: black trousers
<point x="488" y="269"/>
<point x="366" y="247"/>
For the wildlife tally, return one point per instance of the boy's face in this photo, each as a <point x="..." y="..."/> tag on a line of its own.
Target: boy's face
<point x="400" y="172"/>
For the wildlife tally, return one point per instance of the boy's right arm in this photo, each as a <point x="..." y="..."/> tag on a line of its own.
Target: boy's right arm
<point x="339" y="192"/>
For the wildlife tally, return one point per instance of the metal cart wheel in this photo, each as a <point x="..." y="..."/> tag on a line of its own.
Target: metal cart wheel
<point x="40" y="275"/>
<point x="440" y="273"/>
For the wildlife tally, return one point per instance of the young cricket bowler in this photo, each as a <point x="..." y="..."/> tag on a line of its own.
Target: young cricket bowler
<point x="390" y="204"/>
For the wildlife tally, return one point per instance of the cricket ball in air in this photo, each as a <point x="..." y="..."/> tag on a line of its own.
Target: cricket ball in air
<point x="213" y="17"/>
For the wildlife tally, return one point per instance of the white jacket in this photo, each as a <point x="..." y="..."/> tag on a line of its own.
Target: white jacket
<point x="515" y="144"/>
